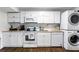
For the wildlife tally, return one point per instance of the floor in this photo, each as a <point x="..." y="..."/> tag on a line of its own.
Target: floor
<point x="46" y="49"/>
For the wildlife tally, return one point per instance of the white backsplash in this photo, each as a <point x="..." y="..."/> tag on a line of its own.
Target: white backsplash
<point x="44" y="27"/>
<point x="50" y="27"/>
<point x="15" y="25"/>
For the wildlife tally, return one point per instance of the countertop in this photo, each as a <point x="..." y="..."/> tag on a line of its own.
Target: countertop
<point x="13" y="31"/>
<point x="33" y="31"/>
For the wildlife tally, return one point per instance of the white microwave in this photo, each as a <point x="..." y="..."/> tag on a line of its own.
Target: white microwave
<point x="29" y="19"/>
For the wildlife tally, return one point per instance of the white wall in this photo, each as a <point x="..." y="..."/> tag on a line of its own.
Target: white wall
<point x="4" y="26"/>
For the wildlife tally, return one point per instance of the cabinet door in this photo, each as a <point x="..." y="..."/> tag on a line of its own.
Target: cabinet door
<point x="23" y="14"/>
<point x="13" y="17"/>
<point x="45" y="17"/>
<point x="20" y="39"/>
<point x="43" y="39"/>
<point x="14" y="39"/>
<point x="49" y="17"/>
<point x="57" y="17"/>
<point x="57" y="39"/>
<point x="6" y="39"/>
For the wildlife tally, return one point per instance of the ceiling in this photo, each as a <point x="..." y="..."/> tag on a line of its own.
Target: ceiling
<point x="45" y="8"/>
<point x="18" y="9"/>
<point x="9" y="9"/>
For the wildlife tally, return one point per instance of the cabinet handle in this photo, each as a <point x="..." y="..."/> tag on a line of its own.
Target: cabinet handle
<point x="24" y="19"/>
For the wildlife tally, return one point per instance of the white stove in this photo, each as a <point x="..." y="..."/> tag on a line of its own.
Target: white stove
<point x="30" y="39"/>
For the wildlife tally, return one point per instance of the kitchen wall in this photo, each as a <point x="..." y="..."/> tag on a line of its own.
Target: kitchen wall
<point x="15" y="25"/>
<point x="4" y="26"/>
<point x="44" y="26"/>
<point x="50" y="27"/>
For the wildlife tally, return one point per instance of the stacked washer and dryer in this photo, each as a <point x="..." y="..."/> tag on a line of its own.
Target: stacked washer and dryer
<point x="70" y="26"/>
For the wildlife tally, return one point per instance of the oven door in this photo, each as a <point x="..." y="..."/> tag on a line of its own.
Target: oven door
<point x="30" y="38"/>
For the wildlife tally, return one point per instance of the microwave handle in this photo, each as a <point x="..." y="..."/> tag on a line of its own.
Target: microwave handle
<point x="26" y="37"/>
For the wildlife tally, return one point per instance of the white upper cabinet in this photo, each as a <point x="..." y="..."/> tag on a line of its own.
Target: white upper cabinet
<point x="13" y="17"/>
<point x="57" y="17"/>
<point x="23" y="15"/>
<point x="31" y="16"/>
<point x="40" y="16"/>
<point x="49" y="17"/>
<point x="20" y="39"/>
<point x="45" y="17"/>
<point x="35" y="16"/>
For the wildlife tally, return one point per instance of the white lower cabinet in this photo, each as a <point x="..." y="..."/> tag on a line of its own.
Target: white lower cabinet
<point x="6" y="39"/>
<point x="20" y="39"/>
<point x="57" y="39"/>
<point x="12" y="39"/>
<point x="43" y="39"/>
<point x="0" y="43"/>
<point x="1" y="46"/>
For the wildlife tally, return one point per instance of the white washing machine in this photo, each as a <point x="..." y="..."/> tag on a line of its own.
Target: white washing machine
<point x="71" y="40"/>
<point x="70" y="20"/>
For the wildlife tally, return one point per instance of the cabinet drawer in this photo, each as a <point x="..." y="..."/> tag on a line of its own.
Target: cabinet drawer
<point x="14" y="15"/>
<point x="14" y="19"/>
<point x="58" y="33"/>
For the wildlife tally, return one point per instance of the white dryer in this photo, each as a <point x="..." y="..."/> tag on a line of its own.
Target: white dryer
<point x="71" y="40"/>
<point x="70" y="20"/>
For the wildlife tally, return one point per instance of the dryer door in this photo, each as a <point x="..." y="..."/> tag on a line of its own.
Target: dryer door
<point x="74" y="19"/>
<point x="73" y="40"/>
